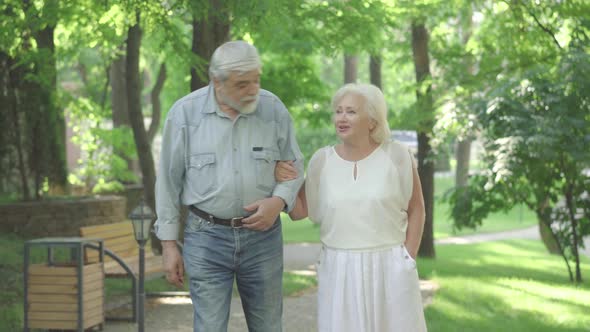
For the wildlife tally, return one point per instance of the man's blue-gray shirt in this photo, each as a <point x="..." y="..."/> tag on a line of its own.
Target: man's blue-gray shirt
<point x="221" y="165"/>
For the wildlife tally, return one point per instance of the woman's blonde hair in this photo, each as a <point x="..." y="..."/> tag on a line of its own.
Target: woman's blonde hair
<point x="373" y="103"/>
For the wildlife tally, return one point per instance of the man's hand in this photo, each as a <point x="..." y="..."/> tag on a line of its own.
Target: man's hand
<point x="267" y="211"/>
<point x="285" y="171"/>
<point x="173" y="264"/>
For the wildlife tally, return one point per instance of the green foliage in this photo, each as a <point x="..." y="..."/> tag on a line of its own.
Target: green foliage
<point x="103" y="187"/>
<point x="536" y="131"/>
<point x="99" y="165"/>
<point x="293" y="77"/>
<point x="311" y="139"/>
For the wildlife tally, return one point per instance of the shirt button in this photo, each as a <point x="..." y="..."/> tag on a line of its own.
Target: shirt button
<point x="236" y="172"/>
<point x="235" y="149"/>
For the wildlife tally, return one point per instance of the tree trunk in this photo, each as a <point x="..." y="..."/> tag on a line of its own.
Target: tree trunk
<point x="424" y="105"/>
<point x="119" y="92"/>
<point x="375" y="70"/>
<point x="350" y="68"/>
<point x="208" y="33"/>
<point x="156" y="105"/>
<point x="34" y="122"/>
<point x="569" y="199"/>
<point x="136" y="118"/>
<point x="120" y="112"/>
<point x="463" y="155"/>
<point x="54" y="124"/>
<point x="20" y="153"/>
<point x="549" y="238"/>
<point x="12" y="128"/>
<point x="463" y="149"/>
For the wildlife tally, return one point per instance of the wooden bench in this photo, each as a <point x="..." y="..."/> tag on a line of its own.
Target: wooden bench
<point x="121" y="258"/>
<point x="118" y="238"/>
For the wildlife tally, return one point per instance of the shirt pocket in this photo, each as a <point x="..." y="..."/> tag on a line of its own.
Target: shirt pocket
<point x="265" y="162"/>
<point x="203" y="171"/>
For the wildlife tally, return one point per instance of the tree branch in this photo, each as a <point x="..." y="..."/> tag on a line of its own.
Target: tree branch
<point x="544" y="28"/>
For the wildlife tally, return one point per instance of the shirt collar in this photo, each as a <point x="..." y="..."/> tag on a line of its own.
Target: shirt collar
<point x="211" y="105"/>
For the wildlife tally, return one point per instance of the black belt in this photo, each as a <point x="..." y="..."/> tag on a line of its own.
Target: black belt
<point x="233" y="222"/>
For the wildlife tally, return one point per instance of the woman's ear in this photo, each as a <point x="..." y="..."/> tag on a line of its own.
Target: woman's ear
<point x="372" y="125"/>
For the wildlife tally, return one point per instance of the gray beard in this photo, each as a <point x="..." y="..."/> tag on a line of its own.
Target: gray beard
<point x="248" y="109"/>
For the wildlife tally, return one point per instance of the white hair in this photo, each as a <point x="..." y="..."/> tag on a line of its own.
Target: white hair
<point x="237" y="56"/>
<point x="373" y="103"/>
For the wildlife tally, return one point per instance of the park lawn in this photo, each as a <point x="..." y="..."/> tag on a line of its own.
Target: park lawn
<point x="511" y="285"/>
<point x="517" y="218"/>
<point x="11" y="288"/>
<point x="292" y="284"/>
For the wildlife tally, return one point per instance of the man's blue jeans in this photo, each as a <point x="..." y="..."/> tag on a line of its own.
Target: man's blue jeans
<point x="215" y="254"/>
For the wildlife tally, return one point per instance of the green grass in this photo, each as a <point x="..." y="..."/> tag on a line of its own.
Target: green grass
<point x="504" y="286"/>
<point x="519" y="217"/>
<point x="11" y="288"/>
<point x="292" y="284"/>
<point x="299" y="231"/>
<point x="296" y="283"/>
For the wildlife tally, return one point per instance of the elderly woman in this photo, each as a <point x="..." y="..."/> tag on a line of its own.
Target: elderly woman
<point x="366" y="195"/>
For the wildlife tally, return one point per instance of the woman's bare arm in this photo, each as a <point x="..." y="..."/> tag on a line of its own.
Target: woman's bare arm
<point x="416" y="215"/>
<point x="285" y="171"/>
<point x="300" y="209"/>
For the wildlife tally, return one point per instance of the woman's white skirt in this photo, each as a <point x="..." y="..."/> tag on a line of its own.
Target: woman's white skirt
<point x="369" y="291"/>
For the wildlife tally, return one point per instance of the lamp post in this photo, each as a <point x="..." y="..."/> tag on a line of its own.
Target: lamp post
<point x="141" y="218"/>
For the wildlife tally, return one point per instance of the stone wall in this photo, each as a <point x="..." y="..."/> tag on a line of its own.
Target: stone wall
<point x="60" y="217"/>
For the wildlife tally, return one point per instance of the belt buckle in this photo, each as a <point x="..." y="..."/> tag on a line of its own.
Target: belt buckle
<point x="233" y="221"/>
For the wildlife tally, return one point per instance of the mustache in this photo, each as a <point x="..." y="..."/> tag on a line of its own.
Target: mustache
<point x="249" y="99"/>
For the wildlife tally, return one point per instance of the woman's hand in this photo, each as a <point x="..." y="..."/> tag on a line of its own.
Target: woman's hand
<point x="285" y="171"/>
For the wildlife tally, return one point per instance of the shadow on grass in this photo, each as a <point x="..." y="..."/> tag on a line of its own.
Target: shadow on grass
<point x="512" y="258"/>
<point x="488" y="312"/>
<point x="504" y="286"/>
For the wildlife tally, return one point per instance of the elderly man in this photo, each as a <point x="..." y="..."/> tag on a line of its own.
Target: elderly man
<point x="219" y="150"/>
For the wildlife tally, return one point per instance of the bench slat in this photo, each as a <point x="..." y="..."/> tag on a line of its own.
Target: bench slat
<point x="119" y="239"/>
<point x="89" y="231"/>
<point x="153" y="265"/>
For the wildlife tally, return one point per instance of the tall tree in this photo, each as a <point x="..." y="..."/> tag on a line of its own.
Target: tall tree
<point x="12" y="140"/>
<point x="156" y="104"/>
<point x="533" y="130"/>
<point x="117" y="73"/>
<point x="48" y="153"/>
<point x="463" y="152"/>
<point x="211" y="25"/>
<point x="375" y="70"/>
<point x="119" y="109"/>
<point x="350" y="68"/>
<point x="425" y="109"/>
<point x="140" y="136"/>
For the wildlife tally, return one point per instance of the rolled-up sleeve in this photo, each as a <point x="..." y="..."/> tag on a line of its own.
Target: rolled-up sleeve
<point x="170" y="179"/>
<point x="289" y="150"/>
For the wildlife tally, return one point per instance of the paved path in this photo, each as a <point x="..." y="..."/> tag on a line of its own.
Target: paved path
<point x="175" y="314"/>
